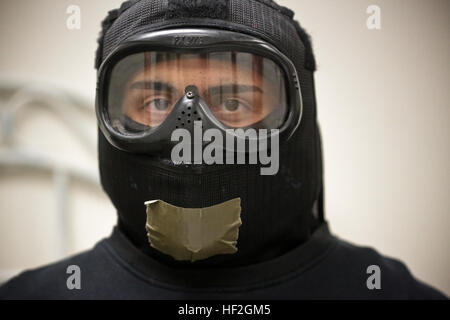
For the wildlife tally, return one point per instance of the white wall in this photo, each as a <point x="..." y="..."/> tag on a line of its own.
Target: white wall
<point x="384" y="112"/>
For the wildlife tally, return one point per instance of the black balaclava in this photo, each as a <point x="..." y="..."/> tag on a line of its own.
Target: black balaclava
<point x="279" y="212"/>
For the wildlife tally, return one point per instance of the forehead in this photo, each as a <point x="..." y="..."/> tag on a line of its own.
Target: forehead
<point x="216" y="67"/>
<point x="220" y="57"/>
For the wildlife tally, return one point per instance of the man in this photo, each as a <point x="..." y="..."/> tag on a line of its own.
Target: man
<point x="210" y="151"/>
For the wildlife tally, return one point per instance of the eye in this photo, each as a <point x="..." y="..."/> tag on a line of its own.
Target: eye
<point x="158" y="104"/>
<point x="233" y="104"/>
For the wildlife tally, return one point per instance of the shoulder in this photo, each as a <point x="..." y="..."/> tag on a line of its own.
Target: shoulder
<point x="369" y="274"/>
<point x="56" y="280"/>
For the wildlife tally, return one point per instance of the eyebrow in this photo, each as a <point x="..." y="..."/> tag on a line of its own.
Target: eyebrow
<point x="153" y="85"/>
<point x="221" y="89"/>
<point x="233" y="88"/>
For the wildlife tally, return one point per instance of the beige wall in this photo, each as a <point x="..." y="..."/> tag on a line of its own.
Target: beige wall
<point x="384" y="111"/>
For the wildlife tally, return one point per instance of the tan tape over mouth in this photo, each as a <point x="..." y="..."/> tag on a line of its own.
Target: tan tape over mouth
<point x="194" y="233"/>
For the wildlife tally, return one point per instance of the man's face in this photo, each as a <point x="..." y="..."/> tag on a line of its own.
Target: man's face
<point x="239" y="88"/>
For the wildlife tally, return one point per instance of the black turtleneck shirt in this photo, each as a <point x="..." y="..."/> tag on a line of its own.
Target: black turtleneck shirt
<point x="325" y="267"/>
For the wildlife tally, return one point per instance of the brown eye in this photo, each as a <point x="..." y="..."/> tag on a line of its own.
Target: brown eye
<point x="158" y="104"/>
<point x="231" y="104"/>
<point x="234" y="105"/>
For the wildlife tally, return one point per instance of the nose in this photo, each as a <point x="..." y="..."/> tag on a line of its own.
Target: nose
<point x="191" y="91"/>
<point x="187" y="108"/>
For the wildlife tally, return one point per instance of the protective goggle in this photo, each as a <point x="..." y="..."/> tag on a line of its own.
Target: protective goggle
<point x="157" y="82"/>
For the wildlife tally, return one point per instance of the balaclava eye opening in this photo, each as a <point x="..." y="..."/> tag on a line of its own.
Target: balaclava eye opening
<point x="279" y="212"/>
